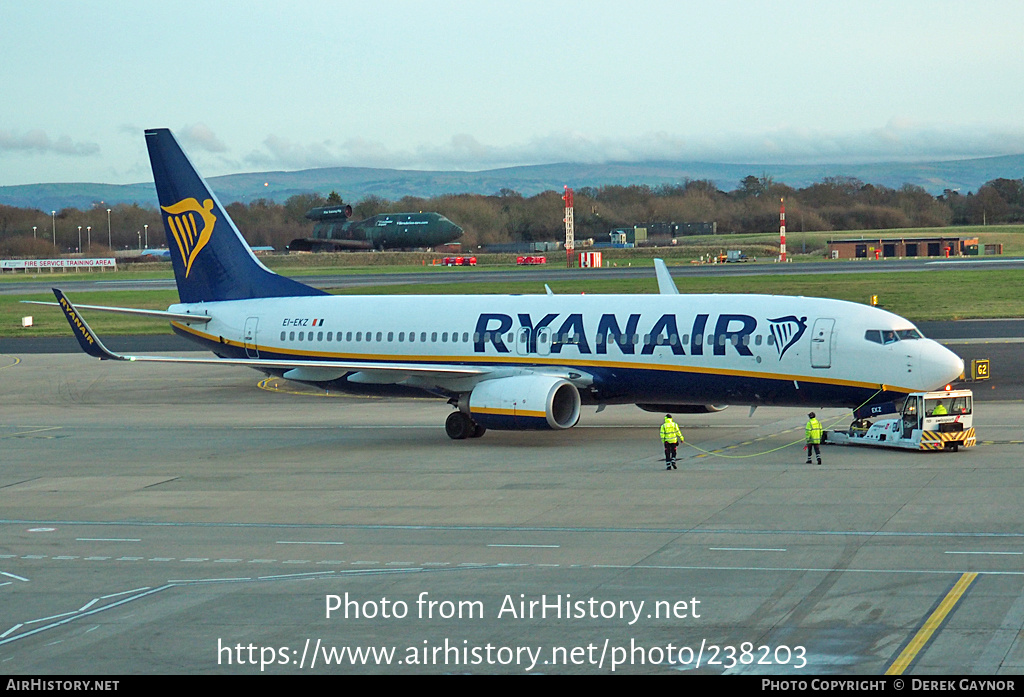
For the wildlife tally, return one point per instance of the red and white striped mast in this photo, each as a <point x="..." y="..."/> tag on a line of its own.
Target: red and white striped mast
<point x="782" y="229"/>
<point x="570" y="235"/>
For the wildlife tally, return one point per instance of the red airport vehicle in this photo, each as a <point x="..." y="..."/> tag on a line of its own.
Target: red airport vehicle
<point x="458" y="261"/>
<point x="529" y="261"/>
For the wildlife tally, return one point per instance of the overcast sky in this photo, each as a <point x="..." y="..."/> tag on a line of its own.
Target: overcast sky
<point x="253" y="86"/>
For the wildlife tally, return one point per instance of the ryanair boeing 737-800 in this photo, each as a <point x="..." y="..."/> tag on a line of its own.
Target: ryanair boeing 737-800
<point x="519" y="362"/>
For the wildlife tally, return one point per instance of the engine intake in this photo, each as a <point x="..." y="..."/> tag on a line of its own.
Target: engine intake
<point x="525" y="403"/>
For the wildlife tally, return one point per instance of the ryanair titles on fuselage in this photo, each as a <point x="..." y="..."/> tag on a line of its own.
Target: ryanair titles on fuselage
<point x="728" y="329"/>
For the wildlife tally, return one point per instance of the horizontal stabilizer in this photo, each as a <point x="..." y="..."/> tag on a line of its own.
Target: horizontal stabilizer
<point x="158" y="314"/>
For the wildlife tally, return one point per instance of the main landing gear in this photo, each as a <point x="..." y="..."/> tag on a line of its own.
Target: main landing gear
<point x="460" y="426"/>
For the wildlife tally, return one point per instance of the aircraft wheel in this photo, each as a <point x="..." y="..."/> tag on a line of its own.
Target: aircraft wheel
<point x="458" y="426"/>
<point x="478" y="430"/>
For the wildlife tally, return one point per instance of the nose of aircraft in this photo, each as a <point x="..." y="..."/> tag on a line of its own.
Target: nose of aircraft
<point x="940" y="366"/>
<point x="450" y="228"/>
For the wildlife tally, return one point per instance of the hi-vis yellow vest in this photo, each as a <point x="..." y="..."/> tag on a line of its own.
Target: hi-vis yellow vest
<point x="670" y="432"/>
<point x="813" y="431"/>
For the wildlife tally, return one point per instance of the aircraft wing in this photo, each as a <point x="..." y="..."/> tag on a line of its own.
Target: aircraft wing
<point x="92" y="345"/>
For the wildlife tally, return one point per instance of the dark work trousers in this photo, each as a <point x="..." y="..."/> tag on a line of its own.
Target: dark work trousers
<point x="817" y="451"/>
<point x="670" y="452"/>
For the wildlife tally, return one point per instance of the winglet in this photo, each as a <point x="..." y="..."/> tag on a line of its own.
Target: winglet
<point x="87" y="339"/>
<point x="666" y="286"/>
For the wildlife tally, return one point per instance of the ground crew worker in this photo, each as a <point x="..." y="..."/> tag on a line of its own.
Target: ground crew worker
<point x="812" y="433"/>
<point x="939" y="410"/>
<point x="671" y="436"/>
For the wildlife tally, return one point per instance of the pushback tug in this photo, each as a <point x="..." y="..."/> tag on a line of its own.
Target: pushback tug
<point x="925" y="421"/>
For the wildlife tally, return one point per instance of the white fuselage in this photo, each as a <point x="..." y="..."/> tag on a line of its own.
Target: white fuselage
<point x="682" y="349"/>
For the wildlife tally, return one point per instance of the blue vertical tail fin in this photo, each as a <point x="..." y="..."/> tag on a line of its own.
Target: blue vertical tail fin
<point x="210" y="257"/>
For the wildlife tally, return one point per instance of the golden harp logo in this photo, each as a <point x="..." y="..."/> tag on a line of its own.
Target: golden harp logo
<point x="181" y="219"/>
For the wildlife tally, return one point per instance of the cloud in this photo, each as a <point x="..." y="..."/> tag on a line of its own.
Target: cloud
<point x="897" y="140"/>
<point x="37" y="141"/>
<point x="200" y="136"/>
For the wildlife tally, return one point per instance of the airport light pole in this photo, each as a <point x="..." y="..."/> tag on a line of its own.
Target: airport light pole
<point x="139" y="233"/>
<point x="79" y="239"/>
<point x="109" y="243"/>
<point x="146" y="225"/>
<point x="34" y="231"/>
<point x="88" y="232"/>
<point x="53" y="217"/>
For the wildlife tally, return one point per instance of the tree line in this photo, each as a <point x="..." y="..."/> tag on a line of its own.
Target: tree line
<point x="834" y="203"/>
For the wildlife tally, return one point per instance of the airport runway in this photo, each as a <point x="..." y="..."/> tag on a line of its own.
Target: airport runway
<point x="161" y="519"/>
<point x="41" y="283"/>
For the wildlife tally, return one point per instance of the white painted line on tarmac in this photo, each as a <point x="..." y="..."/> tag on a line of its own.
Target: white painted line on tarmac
<point x="108" y="539"/>
<point x="134" y="590"/>
<point x="747" y="549"/>
<point x="306" y="542"/>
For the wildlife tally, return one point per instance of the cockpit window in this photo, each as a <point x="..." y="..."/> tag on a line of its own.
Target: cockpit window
<point x="891" y="336"/>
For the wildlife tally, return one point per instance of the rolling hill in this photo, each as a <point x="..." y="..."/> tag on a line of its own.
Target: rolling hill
<point x="354" y="183"/>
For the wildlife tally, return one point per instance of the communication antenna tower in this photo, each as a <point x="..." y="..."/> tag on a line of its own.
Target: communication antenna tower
<point x="782" y="229"/>
<point x="570" y="237"/>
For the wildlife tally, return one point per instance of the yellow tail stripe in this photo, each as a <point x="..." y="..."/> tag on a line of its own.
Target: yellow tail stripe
<point x="931" y="624"/>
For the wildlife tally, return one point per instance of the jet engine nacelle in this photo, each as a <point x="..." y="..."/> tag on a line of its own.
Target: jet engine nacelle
<point x="525" y="402"/>
<point x="683" y="408"/>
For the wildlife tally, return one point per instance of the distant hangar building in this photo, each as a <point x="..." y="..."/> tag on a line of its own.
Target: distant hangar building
<point x="900" y="247"/>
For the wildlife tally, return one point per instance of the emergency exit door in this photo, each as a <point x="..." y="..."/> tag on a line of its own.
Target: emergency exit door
<point x="249" y="337"/>
<point x="523" y="341"/>
<point x="541" y="341"/>
<point x="821" y="343"/>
